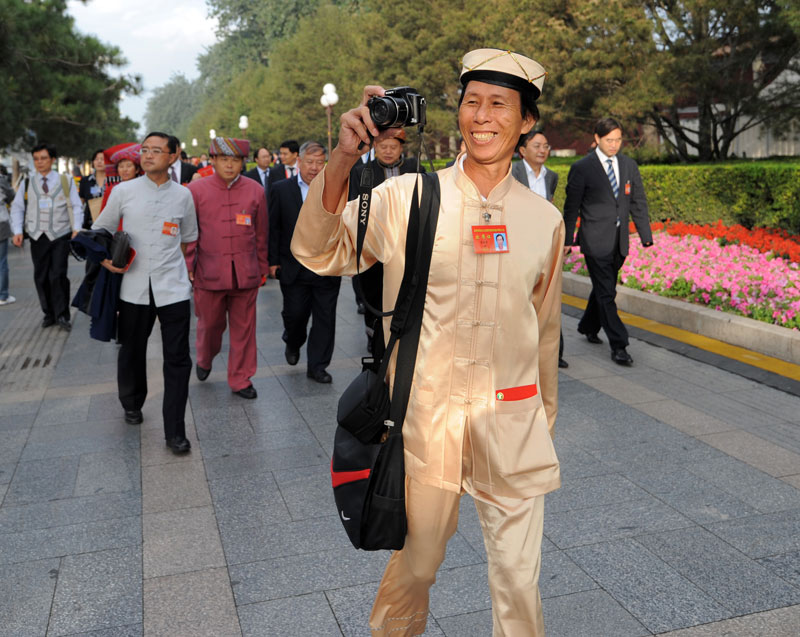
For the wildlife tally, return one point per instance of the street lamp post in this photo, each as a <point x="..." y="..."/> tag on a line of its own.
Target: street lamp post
<point x="329" y="99"/>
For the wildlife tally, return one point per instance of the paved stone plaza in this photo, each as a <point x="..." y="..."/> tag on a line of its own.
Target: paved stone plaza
<point x="679" y="511"/>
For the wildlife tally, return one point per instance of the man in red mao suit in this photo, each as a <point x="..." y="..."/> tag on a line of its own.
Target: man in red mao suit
<point x="227" y="262"/>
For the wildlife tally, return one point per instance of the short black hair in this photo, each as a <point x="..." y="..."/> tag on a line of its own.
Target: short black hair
<point x="292" y="145"/>
<point x="51" y="150"/>
<point x="184" y="156"/>
<point x="98" y="152"/>
<point x="172" y="141"/>
<point x="604" y="126"/>
<point x="526" y="99"/>
<point x="259" y="149"/>
<point x="526" y="137"/>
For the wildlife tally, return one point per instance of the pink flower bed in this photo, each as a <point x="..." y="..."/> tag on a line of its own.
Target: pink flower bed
<point x="732" y="278"/>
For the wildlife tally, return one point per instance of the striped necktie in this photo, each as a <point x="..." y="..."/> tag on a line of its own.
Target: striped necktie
<point x="612" y="178"/>
<point x="45" y="189"/>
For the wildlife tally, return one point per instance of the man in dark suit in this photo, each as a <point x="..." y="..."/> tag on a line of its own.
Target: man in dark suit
<point x="263" y="158"/>
<point x="605" y="189"/>
<point x="534" y="150"/>
<point x="304" y="293"/>
<point x="389" y="162"/>
<point x="288" y="152"/>
<point x="181" y="171"/>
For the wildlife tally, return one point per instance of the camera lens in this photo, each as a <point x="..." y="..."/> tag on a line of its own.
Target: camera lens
<point x="383" y="111"/>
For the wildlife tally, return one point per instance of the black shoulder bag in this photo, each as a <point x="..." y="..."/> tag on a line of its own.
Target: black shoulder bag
<point x="368" y="467"/>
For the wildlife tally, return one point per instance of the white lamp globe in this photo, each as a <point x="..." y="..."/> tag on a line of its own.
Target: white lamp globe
<point x="324" y="101"/>
<point x="333" y="99"/>
<point x="212" y="133"/>
<point x="243" y="122"/>
<point x="329" y="89"/>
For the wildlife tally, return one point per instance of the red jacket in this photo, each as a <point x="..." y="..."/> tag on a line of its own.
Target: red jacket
<point x="233" y="225"/>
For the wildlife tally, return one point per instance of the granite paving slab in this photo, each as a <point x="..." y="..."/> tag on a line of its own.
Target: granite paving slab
<point x="302" y="574"/>
<point x="79" y="438"/>
<point x="195" y="604"/>
<point x="728" y="576"/>
<point x="589" y="614"/>
<point x="653" y="592"/>
<point x="180" y="541"/>
<point x="352" y="606"/>
<point x="477" y="624"/>
<point x="559" y="575"/>
<point x="42" y="480"/>
<point x="174" y="486"/>
<point x="782" y="622"/>
<point x="614" y="521"/>
<point x="580" y="493"/>
<point x="59" y="411"/>
<point x="684" y="418"/>
<point x="70" y="539"/>
<point x="248" y="501"/>
<point x="243" y="464"/>
<point x="767" y="456"/>
<point x="42" y="515"/>
<point x="459" y="590"/>
<point x="785" y="565"/>
<point x="300" y="615"/>
<point x="97" y="591"/>
<point x="133" y="630"/>
<point x="109" y="472"/>
<point x="26" y="592"/>
<point x="762" y="535"/>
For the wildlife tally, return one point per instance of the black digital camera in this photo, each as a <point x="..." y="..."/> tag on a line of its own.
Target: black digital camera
<point x="399" y="107"/>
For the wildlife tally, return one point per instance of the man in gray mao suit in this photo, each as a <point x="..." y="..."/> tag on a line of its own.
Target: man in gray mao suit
<point x="534" y="150"/>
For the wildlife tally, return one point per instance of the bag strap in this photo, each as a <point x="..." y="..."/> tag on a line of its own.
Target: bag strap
<point x="407" y="321"/>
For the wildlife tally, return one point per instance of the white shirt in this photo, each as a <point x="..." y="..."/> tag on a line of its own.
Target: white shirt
<point x="176" y="166"/>
<point x="303" y="186"/>
<point x="604" y="160"/>
<point x="536" y="184"/>
<point x="53" y="178"/>
<point x="149" y="213"/>
<point x="263" y="175"/>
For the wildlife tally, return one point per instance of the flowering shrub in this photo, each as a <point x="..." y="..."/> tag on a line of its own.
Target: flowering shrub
<point x="778" y="242"/>
<point x="733" y="277"/>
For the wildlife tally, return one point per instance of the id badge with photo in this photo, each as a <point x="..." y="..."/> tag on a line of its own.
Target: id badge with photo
<point x="490" y="239"/>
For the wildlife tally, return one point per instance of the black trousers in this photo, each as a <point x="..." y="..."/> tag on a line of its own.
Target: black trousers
<point x="50" y="274"/>
<point x="312" y="296"/>
<point x="601" y="309"/>
<point x="135" y="325"/>
<point x="371" y="281"/>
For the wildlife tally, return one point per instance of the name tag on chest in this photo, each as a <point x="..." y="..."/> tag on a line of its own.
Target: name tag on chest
<point x="243" y="219"/>
<point x="45" y="203"/>
<point x="490" y="239"/>
<point x="170" y="229"/>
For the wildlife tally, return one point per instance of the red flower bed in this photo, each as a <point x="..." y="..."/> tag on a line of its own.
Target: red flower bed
<point x="779" y="242"/>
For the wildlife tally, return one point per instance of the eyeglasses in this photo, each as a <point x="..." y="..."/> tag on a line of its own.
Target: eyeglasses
<point x="540" y="146"/>
<point x="153" y="151"/>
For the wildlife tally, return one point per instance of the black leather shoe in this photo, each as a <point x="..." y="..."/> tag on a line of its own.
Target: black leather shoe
<point x="562" y="363"/>
<point x="179" y="444"/>
<point x="133" y="416"/>
<point x="64" y="324"/>
<point x="321" y="376"/>
<point x="47" y="321"/>
<point x="621" y="357"/>
<point x="202" y="372"/>
<point x="593" y="338"/>
<point x="248" y="392"/>
<point x="292" y="355"/>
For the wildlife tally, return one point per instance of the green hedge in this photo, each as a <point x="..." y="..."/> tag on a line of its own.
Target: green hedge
<point x="757" y="194"/>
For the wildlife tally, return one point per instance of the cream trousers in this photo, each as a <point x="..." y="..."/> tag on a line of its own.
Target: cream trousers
<point x="512" y="533"/>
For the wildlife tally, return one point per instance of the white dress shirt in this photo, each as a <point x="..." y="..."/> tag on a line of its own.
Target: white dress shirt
<point x="148" y="212"/>
<point x="614" y="163"/>
<point x="53" y="178"/>
<point x="536" y="184"/>
<point x="176" y="166"/>
<point x="303" y="186"/>
<point x="263" y="175"/>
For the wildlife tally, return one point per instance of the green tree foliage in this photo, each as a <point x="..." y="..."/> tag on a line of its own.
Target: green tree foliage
<point x="173" y="105"/>
<point x="641" y="61"/>
<point x="55" y="83"/>
<point x="644" y="61"/>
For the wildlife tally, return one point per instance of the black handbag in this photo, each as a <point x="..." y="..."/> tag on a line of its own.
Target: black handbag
<point x="368" y="466"/>
<point x="120" y="249"/>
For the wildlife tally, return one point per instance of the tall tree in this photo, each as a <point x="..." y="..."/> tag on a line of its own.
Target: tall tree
<point x="734" y="60"/>
<point x="173" y="105"/>
<point x="55" y="83"/>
